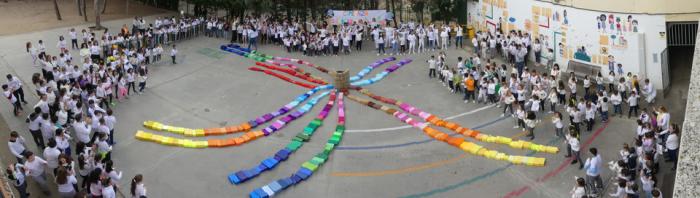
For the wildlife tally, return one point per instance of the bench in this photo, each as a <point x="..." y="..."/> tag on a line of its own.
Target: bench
<point x="581" y="68"/>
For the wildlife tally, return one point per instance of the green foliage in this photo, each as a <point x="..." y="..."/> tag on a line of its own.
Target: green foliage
<point x="438" y="10"/>
<point x="448" y="10"/>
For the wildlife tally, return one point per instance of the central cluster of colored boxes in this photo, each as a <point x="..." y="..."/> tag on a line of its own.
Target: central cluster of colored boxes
<point x="307" y="168"/>
<point x="282" y="155"/>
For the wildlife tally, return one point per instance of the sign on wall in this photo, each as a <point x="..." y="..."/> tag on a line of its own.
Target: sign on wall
<point x="590" y="36"/>
<point x="359" y="16"/>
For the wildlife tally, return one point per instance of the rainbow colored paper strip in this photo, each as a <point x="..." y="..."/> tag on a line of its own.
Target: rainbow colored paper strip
<point x="287" y="70"/>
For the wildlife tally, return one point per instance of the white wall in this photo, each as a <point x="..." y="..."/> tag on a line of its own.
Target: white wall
<point x="581" y="29"/>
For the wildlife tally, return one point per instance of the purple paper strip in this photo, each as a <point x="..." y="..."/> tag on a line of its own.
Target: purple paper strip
<point x="297" y="114"/>
<point x="287" y="119"/>
<point x="268" y="117"/>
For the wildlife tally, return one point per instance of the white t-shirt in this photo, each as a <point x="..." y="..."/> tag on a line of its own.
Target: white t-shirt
<point x="108" y="192"/>
<point x="10" y="96"/>
<point x="140" y="190"/>
<point x="35" y="167"/>
<point x="51" y="155"/>
<point x="68" y="186"/>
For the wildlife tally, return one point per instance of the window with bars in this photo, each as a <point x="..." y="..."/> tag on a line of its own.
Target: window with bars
<point x="681" y="33"/>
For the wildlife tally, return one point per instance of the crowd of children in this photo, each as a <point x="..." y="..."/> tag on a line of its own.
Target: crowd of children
<point x="73" y="122"/>
<point x="526" y="94"/>
<point x="76" y="100"/>
<point x="314" y="38"/>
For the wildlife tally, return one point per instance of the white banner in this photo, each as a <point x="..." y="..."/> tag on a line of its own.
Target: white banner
<point x="350" y="16"/>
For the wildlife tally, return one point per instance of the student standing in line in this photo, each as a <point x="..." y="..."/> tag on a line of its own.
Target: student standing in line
<point x="130" y="79"/>
<point x="84" y="167"/>
<point x="672" y="142"/>
<point x="17" y="146"/>
<point x="95" y="184"/>
<point x="122" y="88"/>
<point x="35" y="167"/>
<point x="16" y="106"/>
<point x="648" y="183"/>
<point x="518" y="116"/>
<point x="16" y="86"/>
<point x="358" y="42"/>
<point x="380" y="45"/>
<point x="603" y="106"/>
<point x="51" y="154"/>
<point x="17" y="174"/>
<point x="508" y="100"/>
<point x="558" y="124"/>
<point x="616" y="100"/>
<point x="113" y="175"/>
<point x="173" y="53"/>
<point x="576" y="116"/>
<point x="61" y="44"/>
<point x="579" y="190"/>
<point x="110" y="121"/>
<point x="66" y="183"/>
<point x="431" y="67"/>
<point x="593" y="168"/>
<point x="62" y="141"/>
<point x="142" y="80"/>
<point x="138" y="190"/>
<point x="530" y="123"/>
<point x="108" y="190"/>
<point x="34" y="119"/>
<point x="573" y="147"/>
<point x="633" y="102"/>
<point x="470" y="87"/>
<point x="590" y="116"/>
<point x="33" y="52"/>
<point x="73" y="38"/>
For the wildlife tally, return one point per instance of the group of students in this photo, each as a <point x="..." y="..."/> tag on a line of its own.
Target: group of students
<point x="96" y="170"/>
<point x="313" y="38"/>
<point x="77" y="101"/>
<point x="636" y="168"/>
<point x="525" y="94"/>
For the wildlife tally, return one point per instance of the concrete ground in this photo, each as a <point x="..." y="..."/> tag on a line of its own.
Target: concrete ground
<point x="377" y="157"/>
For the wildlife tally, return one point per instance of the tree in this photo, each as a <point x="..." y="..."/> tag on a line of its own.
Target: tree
<point x="418" y="6"/>
<point x="80" y="9"/>
<point x="55" y="7"/>
<point x="82" y="2"/>
<point x="98" y="12"/>
<point x="104" y="6"/>
<point x="442" y="10"/>
<point x="393" y="12"/>
<point x="460" y="11"/>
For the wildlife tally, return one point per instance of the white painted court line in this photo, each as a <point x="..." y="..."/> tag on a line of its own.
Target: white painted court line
<point x="409" y="126"/>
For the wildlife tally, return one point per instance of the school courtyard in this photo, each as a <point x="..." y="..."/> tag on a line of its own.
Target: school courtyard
<point x="379" y="156"/>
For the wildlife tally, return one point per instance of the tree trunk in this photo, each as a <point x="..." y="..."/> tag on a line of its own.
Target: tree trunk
<point x="127" y="7"/>
<point x="96" y="7"/>
<point x="393" y="12"/>
<point x="80" y="10"/>
<point x="82" y="4"/>
<point x="313" y="10"/>
<point x="289" y="12"/>
<point x="400" y="10"/>
<point x="104" y="6"/>
<point x="55" y="7"/>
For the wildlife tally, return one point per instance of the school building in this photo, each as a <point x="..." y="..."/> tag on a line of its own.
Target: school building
<point x="650" y="38"/>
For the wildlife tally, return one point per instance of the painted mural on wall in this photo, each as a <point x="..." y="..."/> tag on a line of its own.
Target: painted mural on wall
<point x="568" y="31"/>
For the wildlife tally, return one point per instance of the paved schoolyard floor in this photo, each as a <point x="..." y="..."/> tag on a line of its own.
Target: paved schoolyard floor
<point x="377" y="157"/>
